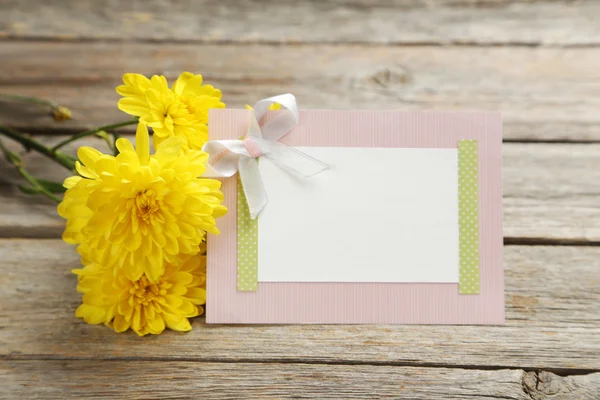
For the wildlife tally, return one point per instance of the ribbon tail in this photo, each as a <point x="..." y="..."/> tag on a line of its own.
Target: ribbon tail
<point x="256" y="196"/>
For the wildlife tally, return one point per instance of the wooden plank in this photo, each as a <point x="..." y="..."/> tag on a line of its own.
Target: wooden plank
<point x="550" y="193"/>
<point x="189" y="380"/>
<point x="544" y="93"/>
<point x="488" y="22"/>
<point x="552" y="305"/>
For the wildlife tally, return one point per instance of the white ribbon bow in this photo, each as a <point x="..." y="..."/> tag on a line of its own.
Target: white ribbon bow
<point x="226" y="157"/>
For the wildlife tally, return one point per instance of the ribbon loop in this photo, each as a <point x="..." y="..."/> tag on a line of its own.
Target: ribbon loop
<point x="226" y="157"/>
<point x="285" y="120"/>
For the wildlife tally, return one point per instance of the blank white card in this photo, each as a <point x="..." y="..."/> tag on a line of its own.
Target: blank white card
<point x="376" y="215"/>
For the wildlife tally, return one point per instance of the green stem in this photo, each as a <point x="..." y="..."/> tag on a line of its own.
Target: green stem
<point x="104" y="136"/>
<point x="63" y="159"/>
<point x="94" y="131"/>
<point x="15" y="160"/>
<point x="28" y="99"/>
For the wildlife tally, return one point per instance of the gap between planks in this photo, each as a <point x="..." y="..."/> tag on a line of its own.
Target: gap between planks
<point x="292" y="43"/>
<point x="540" y="241"/>
<point x="478" y="367"/>
<point x="508" y="241"/>
<point x="68" y="130"/>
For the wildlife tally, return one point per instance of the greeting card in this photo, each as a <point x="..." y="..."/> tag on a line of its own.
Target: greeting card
<point x="356" y="216"/>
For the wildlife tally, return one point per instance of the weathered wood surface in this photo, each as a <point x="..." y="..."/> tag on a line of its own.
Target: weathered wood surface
<point x="552" y="305"/>
<point x="536" y="61"/>
<point x="176" y="380"/>
<point x="431" y="22"/>
<point x="550" y="193"/>
<point x="546" y="385"/>
<point x="544" y="93"/>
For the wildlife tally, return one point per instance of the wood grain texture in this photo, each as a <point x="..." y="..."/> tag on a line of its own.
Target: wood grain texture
<point x="189" y="380"/>
<point x="536" y="61"/>
<point x="546" y="385"/>
<point x="544" y="93"/>
<point x="488" y="22"/>
<point x="550" y="193"/>
<point x="552" y="303"/>
<point x="92" y="379"/>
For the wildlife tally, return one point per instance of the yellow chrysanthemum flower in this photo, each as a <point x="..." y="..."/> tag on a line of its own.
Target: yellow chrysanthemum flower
<point x="180" y="111"/>
<point x="137" y="211"/>
<point x="141" y="305"/>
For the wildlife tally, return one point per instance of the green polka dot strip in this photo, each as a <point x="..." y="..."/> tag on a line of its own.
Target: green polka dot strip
<point x="468" y="217"/>
<point x="247" y="245"/>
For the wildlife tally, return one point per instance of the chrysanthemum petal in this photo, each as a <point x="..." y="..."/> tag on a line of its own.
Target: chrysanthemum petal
<point x="120" y="324"/>
<point x="134" y="85"/>
<point x="196" y="295"/>
<point x="174" y="300"/>
<point x="183" y="80"/>
<point x="88" y="156"/>
<point x="156" y="325"/>
<point x="142" y="143"/>
<point x="187" y="308"/>
<point x="71" y="181"/>
<point x="134" y="106"/>
<point x="177" y="323"/>
<point x="183" y="278"/>
<point x="136" y="321"/>
<point x="159" y="82"/>
<point x="90" y="314"/>
<point x="124" y="145"/>
<point x="168" y="150"/>
<point x="132" y="242"/>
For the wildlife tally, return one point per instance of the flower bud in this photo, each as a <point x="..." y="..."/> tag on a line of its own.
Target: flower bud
<point x="61" y="113"/>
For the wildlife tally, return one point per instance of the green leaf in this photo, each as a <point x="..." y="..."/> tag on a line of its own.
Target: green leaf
<point x="52" y="187"/>
<point x="28" y="190"/>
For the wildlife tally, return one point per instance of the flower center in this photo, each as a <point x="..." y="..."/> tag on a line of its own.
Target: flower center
<point x="188" y="105"/>
<point x="191" y="107"/>
<point x="146" y="205"/>
<point x="144" y="292"/>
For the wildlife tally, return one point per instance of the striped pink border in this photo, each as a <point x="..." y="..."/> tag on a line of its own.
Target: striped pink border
<point x="367" y="303"/>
